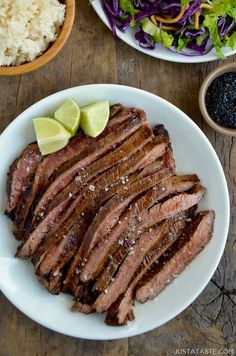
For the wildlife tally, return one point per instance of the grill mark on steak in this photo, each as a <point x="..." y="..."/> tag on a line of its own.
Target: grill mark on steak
<point x="103" y="146"/>
<point x="127" y="269"/>
<point x="19" y="175"/>
<point x="115" y="109"/>
<point x="180" y="254"/>
<point x="136" y="161"/>
<point x="172" y="230"/>
<point x="128" y="221"/>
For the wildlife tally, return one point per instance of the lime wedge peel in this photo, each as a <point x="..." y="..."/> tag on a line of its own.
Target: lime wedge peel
<point x="94" y="118"/>
<point x="51" y="135"/>
<point x="68" y="115"/>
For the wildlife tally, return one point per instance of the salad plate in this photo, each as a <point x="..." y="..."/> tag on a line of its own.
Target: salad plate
<point x="159" y="51"/>
<point x="192" y="152"/>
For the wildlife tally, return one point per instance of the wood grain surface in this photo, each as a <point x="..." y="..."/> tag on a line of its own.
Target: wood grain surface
<point x="93" y="56"/>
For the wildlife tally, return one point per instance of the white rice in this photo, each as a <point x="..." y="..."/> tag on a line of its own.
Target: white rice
<point x="27" y="27"/>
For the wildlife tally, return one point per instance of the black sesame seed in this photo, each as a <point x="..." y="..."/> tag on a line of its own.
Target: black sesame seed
<point x="221" y="100"/>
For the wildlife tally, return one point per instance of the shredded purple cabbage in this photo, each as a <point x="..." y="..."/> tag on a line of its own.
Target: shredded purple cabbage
<point x="198" y="41"/>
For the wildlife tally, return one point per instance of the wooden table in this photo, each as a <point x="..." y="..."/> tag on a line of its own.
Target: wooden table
<point x="93" y="56"/>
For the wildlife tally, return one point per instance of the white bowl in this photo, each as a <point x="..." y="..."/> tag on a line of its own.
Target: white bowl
<point x="193" y="153"/>
<point x="160" y="51"/>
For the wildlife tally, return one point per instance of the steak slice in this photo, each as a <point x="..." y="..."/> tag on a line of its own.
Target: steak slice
<point x="150" y="152"/>
<point x="180" y="254"/>
<point x="103" y="146"/>
<point x="19" y="175"/>
<point x="76" y="207"/>
<point x="172" y="230"/>
<point x="128" y="268"/>
<point x="172" y="206"/>
<point x="128" y="221"/>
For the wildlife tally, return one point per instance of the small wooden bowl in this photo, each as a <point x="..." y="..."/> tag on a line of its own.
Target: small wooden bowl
<point x="230" y="67"/>
<point x="52" y="50"/>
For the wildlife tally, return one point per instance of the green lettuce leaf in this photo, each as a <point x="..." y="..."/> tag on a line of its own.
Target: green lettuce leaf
<point x="128" y="7"/>
<point x="211" y="22"/>
<point x="159" y="35"/>
<point x="182" y="43"/>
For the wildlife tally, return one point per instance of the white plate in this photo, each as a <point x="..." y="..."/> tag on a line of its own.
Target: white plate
<point x="160" y="51"/>
<point x="193" y="153"/>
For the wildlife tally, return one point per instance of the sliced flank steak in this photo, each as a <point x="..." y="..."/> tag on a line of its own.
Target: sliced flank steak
<point x="180" y="254"/>
<point x="127" y="269"/>
<point x="172" y="229"/>
<point x="74" y="208"/>
<point x="102" y="147"/>
<point x="105" y="186"/>
<point x="106" y="299"/>
<point x="89" y="152"/>
<point x="109" y="213"/>
<point x="130" y="219"/>
<point x="19" y="175"/>
<point x="134" y="143"/>
<point x="62" y="252"/>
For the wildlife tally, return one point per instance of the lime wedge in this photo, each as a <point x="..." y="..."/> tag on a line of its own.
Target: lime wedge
<point x="51" y="135"/>
<point x="69" y="115"/>
<point x="94" y="118"/>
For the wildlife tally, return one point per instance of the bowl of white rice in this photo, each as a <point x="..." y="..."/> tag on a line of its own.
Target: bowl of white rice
<point x="32" y="32"/>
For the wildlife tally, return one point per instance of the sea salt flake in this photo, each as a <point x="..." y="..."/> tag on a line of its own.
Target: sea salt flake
<point x="55" y="274"/>
<point x="70" y="195"/>
<point x="78" y="179"/>
<point x="106" y="189"/>
<point x="105" y="291"/>
<point x="91" y="187"/>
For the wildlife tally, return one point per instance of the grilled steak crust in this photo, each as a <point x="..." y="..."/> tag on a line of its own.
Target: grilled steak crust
<point x="115" y="109"/>
<point x="180" y="254"/>
<point x="19" y="175"/>
<point x="128" y="221"/>
<point x="171" y="231"/>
